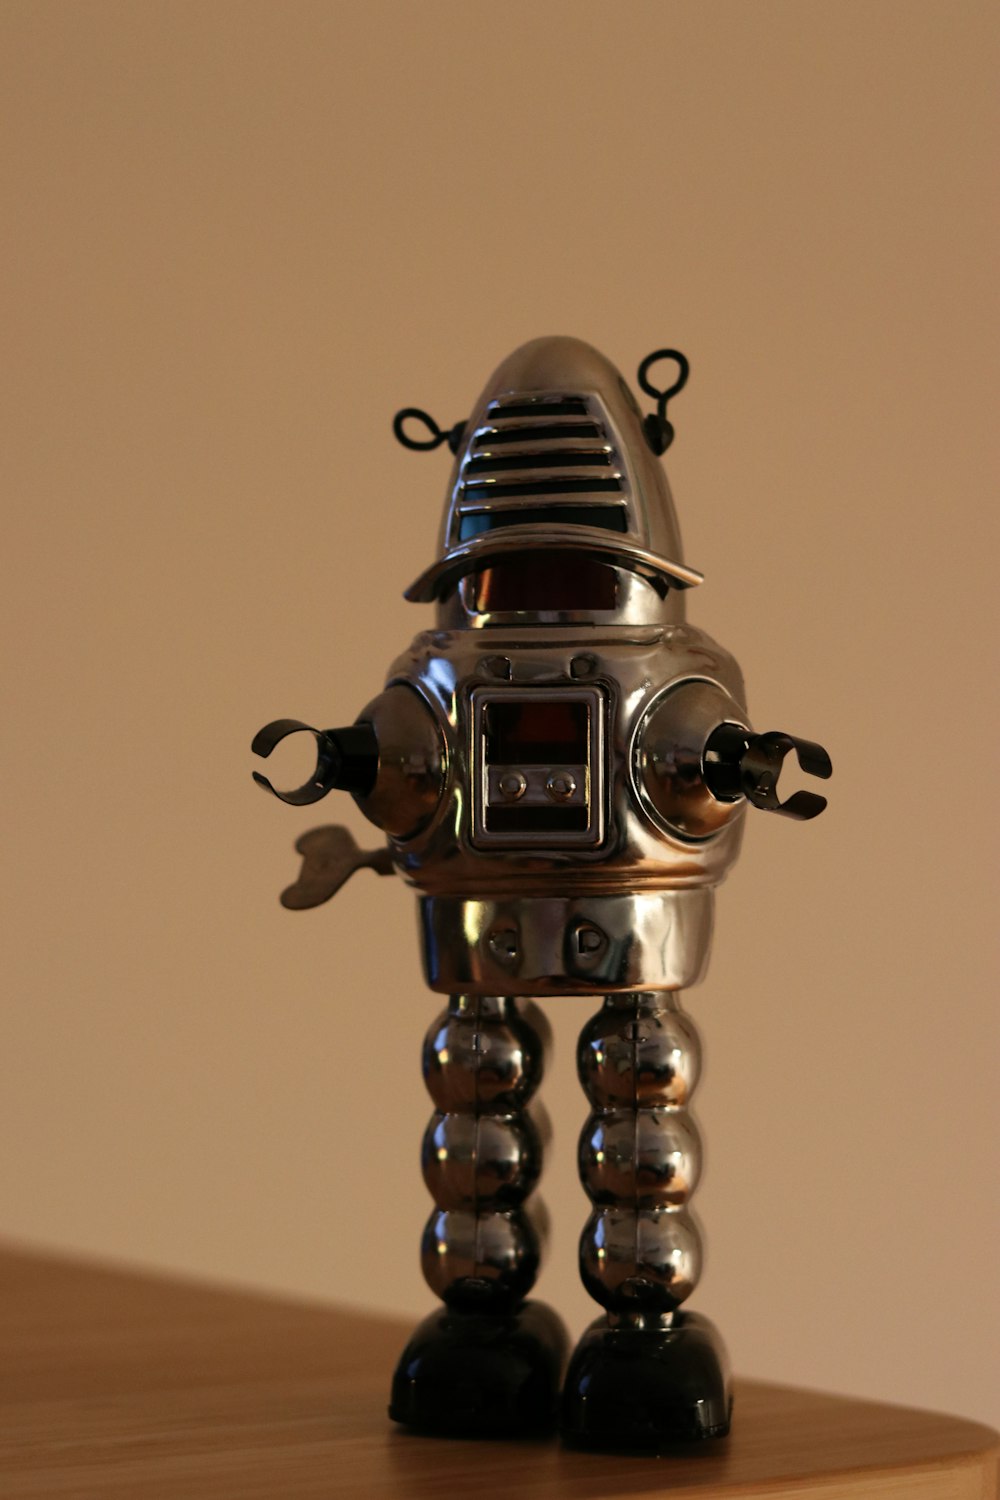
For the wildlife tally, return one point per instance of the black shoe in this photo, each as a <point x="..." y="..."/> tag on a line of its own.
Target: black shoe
<point x="647" y="1387"/>
<point x="482" y="1374"/>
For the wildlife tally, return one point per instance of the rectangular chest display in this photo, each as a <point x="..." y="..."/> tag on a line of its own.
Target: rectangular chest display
<point x="538" y="766"/>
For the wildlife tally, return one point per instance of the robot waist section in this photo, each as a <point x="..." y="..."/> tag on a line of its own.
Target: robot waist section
<point x="566" y="945"/>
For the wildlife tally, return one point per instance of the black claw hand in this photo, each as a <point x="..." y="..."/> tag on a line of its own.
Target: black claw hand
<point x="346" y="758"/>
<point x="741" y="764"/>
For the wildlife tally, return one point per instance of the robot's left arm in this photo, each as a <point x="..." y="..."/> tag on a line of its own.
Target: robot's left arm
<point x="697" y="759"/>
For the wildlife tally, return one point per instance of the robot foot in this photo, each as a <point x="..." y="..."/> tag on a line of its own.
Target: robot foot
<point x="647" y="1388"/>
<point x="483" y="1375"/>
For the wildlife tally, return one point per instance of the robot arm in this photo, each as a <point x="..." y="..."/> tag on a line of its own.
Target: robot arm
<point x="740" y="764"/>
<point x="696" y="760"/>
<point x="346" y="758"/>
<point x="393" y="763"/>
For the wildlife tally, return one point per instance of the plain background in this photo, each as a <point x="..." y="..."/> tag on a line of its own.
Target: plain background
<point x="237" y="238"/>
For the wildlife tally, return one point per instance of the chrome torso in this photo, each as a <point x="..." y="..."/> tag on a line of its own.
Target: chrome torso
<point x="628" y="669"/>
<point x="655" y="932"/>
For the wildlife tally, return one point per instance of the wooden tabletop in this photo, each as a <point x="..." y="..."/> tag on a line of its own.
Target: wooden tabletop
<point x="114" y="1385"/>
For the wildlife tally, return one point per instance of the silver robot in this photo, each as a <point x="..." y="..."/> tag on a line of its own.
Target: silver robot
<point x="561" y="768"/>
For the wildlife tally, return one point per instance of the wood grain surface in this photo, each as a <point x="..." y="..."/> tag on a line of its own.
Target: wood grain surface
<point x="115" y="1384"/>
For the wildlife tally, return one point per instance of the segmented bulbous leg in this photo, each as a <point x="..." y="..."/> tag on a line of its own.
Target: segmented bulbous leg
<point x="482" y="1154"/>
<point x="640" y="1156"/>
<point x="490" y="1364"/>
<point x="647" y="1373"/>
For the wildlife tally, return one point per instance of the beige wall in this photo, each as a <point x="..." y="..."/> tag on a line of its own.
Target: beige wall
<point x="241" y="236"/>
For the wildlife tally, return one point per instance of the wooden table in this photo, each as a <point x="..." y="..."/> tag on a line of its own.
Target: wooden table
<point x="116" y="1385"/>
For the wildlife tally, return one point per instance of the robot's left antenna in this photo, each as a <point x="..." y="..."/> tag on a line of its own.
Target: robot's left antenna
<point x="658" y="431"/>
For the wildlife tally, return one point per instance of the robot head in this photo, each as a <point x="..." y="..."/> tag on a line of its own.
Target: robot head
<point x="558" y="508"/>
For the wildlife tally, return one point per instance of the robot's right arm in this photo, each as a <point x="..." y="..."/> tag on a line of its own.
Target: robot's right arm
<point x="392" y="760"/>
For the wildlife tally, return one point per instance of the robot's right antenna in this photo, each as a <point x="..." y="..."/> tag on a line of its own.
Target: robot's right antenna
<point x="438" y="435"/>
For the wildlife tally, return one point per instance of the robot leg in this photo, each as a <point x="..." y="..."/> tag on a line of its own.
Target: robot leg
<point x="488" y="1365"/>
<point x="646" y="1374"/>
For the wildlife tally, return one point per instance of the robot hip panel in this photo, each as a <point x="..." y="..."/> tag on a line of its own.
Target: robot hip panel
<point x="566" y="945"/>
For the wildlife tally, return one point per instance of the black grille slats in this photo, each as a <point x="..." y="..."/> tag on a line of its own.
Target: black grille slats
<point x="538" y="406"/>
<point x="562" y="458"/>
<point x="497" y="518"/>
<point x="553" y="447"/>
<point x="530" y="434"/>
<point x="538" y="484"/>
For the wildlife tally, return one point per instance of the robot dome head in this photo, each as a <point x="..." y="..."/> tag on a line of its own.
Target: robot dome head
<point x="557" y="504"/>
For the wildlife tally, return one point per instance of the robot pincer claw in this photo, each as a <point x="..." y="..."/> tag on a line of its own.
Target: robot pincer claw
<point x="561" y="768"/>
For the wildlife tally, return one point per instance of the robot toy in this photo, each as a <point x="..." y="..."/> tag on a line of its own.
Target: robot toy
<point x="561" y="768"/>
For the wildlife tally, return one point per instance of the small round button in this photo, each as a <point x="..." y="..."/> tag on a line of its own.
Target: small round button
<point x="589" y="939"/>
<point x="502" y="943"/>
<point x="561" y="785"/>
<point x="512" y="785"/>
